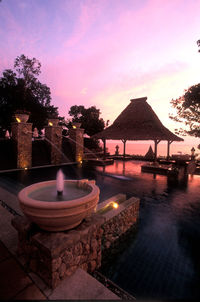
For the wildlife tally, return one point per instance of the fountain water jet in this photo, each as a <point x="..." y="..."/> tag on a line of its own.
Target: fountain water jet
<point x="88" y="150"/>
<point x="60" y="182"/>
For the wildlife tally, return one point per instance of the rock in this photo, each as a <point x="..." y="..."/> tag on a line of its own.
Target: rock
<point x="56" y="264"/>
<point x="86" y="249"/>
<point x="62" y="270"/>
<point x="77" y="260"/>
<point x="68" y="257"/>
<point x="78" y="249"/>
<point x="93" y="256"/>
<point x="94" y="245"/>
<point x="83" y="258"/>
<point x="91" y="266"/>
<point x="84" y="239"/>
<point x="84" y="266"/>
<point x="55" y="279"/>
<point x="99" y="259"/>
<point x="71" y="270"/>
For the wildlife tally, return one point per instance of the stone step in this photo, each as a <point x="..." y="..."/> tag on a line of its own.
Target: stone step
<point x="82" y="286"/>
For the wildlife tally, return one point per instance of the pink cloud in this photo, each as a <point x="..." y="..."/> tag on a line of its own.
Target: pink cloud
<point x="113" y="51"/>
<point x="89" y="11"/>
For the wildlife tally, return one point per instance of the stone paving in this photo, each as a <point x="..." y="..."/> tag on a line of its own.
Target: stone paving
<point x="15" y="283"/>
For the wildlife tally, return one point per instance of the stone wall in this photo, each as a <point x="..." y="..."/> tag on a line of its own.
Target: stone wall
<point x="22" y="136"/>
<point x="119" y="221"/>
<point x="53" y="256"/>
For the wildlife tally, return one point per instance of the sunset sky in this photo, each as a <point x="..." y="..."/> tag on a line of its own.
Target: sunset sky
<point x="105" y="52"/>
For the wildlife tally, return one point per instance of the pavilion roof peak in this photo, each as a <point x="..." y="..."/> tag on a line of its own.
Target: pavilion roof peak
<point x="143" y="99"/>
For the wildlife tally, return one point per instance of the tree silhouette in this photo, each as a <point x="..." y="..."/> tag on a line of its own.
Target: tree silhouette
<point x="88" y="117"/>
<point x="188" y="111"/>
<point x="20" y="89"/>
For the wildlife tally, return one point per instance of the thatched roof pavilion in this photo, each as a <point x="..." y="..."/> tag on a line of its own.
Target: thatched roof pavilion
<point x="138" y="121"/>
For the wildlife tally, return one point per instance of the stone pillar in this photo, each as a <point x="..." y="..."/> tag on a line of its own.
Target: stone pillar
<point x="22" y="135"/>
<point x="53" y="135"/>
<point x="76" y="139"/>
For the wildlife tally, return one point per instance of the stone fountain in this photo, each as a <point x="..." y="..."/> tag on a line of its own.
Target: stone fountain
<point x="59" y="232"/>
<point x="59" y="205"/>
<point x="69" y="236"/>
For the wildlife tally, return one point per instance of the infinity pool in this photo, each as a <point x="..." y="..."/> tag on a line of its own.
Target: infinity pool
<point x="162" y="262"/>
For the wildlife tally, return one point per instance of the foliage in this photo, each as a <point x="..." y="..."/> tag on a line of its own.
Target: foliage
<point x="21" y="90"/>
<point x="188" y="111"/>
<point x="198" y="43"/>
<point x="88" y="117"/>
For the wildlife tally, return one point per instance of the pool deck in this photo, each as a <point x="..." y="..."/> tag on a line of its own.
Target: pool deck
<point x="18" y="284"/>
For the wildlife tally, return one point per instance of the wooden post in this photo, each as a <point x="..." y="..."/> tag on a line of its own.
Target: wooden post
<point x="168" y="149"/>
<point x="124" y="142"/>
<point x="104" y="148"/>
<point x="156" y="141"/>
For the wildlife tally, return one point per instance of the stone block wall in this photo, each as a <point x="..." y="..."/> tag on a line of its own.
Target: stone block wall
<point x="119" y="221"/>
<point x="54" y="256"/>
<point x="77" y="143"/>
<point x="53" y="135"/>
<point x="22" y="136"/>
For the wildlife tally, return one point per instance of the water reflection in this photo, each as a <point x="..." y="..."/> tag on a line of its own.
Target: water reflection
<point x="163" y="261"/>
<point x="138" y="183"/>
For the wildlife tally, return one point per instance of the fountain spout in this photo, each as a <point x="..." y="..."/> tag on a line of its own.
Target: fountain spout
<point x="60" y="182"/>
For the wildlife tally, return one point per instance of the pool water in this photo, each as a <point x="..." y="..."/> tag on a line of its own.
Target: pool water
<point x="163" y="261"/>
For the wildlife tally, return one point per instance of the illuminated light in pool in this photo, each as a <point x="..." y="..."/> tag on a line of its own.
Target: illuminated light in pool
<point x="50" y="124"/>
<point x="18" y="120"/>
<point x="115" y="205"/>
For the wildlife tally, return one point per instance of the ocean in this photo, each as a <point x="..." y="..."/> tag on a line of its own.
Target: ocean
<point x="141" y="147"/>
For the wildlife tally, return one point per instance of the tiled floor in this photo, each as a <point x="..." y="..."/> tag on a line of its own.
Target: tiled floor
<point x="14" y="282"/>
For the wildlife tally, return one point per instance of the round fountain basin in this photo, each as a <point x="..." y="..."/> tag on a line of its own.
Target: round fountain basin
<point x="52" y="212"/>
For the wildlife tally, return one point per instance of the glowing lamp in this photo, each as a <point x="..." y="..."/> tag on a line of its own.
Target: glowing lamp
<point x="50" y="124"/>
<point x="25" y="168"/>
<point x="18" y="120"/>
<point x="115" y="205"/>
<point x="74" y="127"/>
